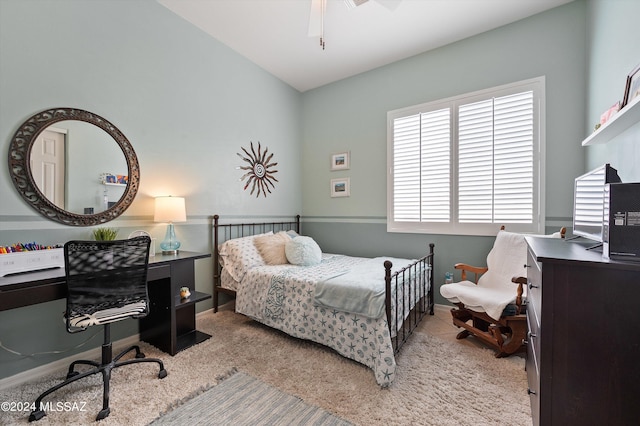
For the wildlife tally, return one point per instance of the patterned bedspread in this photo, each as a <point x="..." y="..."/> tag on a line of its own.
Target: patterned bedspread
<point x="281" y="297"/>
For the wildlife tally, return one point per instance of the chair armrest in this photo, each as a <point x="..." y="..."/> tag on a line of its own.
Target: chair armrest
<point x="520" y="281"/>
<point x="478" y="270"/>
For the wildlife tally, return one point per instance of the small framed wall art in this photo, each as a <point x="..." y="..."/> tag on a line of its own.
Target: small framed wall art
<point x="341" y="187"/>
<point x="340" y="161"/>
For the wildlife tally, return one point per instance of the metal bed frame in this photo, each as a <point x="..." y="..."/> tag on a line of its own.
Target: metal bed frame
<point x="398" y="283"/>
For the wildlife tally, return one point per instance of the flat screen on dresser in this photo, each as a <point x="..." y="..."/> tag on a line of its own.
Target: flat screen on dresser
<point x="588" y="201"/>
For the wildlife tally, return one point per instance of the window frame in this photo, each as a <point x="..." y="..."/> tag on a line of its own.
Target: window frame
<point x="454" y="227"/>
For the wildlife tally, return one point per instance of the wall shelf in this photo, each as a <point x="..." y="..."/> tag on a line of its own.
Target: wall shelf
<point x="627" y="117"/>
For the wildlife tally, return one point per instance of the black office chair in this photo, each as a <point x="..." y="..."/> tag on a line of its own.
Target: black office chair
<point x="106" y="282"/>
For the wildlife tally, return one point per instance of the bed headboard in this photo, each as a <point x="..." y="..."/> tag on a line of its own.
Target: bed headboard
<point x="227" y="231"/>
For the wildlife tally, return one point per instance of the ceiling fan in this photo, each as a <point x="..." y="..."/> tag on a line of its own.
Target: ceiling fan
<point x="319" y="8"/>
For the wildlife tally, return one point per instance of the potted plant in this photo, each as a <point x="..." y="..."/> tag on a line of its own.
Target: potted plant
<point x="105" y="234"/>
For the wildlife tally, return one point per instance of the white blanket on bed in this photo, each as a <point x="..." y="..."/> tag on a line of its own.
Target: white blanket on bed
<point x="360" y="290"/>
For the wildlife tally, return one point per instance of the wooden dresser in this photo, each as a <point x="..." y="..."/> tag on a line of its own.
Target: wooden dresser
<point x="583" y="347"/>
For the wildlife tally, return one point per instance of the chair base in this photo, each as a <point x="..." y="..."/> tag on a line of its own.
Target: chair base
<point x="104" y="367"/>
<point x="506" y="335"/>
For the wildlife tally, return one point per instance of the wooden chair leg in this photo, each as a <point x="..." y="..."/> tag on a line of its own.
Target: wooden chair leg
<point x="496" y="332"/>
<point x="506" y="336"/>
<point x="515" y="342"/>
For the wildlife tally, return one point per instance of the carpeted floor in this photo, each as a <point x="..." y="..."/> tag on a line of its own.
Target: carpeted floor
<point x="440" y="381"/>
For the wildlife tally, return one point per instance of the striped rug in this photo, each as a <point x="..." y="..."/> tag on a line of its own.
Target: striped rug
<point x="244" y="400"/>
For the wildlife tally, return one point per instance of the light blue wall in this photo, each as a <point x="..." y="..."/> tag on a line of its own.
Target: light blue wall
<point x="614" y="50"/>
<point x="351" y="115"/>
<point x="187" y="104"/>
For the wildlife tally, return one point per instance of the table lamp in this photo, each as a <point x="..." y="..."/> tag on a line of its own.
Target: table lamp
<point x="170" y="209"/>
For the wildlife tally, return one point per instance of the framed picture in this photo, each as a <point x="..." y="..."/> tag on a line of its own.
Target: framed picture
<point x="341" y="187"/>
<point x="340" y="161"/>
<point x="632" y="89"/>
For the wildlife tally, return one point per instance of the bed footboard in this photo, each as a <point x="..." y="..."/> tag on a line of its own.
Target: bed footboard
<point x="410" y="291"/>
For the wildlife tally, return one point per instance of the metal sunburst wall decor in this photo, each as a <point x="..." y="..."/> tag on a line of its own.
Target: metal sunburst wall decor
<point x="260" y="172"/>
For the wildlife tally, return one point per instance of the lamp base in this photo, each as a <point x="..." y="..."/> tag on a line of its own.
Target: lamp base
<point x="170" y="245"/>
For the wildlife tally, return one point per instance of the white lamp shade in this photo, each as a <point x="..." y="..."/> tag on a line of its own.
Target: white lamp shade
<point x="170" y="209"/>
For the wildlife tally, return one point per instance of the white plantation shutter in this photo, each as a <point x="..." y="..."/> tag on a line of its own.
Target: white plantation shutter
<point x="436" y="166"/>
<point x="475" y="162"/>
<point x="513" y="158"/>
<point x="465" y="164"/>
<point x="422" y="167"/>
<point x="406" y="177"/>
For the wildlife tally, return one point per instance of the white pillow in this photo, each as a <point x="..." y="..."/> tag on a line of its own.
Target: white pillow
<point x="238" y="255"/>
<point x="271" y="248"/>
<point x="303" y="251"/>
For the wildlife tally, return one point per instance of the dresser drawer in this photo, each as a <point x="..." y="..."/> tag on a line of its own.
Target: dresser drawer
<point x="534" y="311"/>
<point x="534" y="287"/>
<point x="533" y="336"/>
<point x="533" y="378"/>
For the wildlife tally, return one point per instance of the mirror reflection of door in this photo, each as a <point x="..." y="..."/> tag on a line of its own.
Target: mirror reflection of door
<point x="48" y="164"/>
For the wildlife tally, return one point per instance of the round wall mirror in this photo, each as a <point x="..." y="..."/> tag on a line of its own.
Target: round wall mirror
<point x="74" y="167"/>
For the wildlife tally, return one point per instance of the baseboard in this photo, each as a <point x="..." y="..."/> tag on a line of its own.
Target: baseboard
<point x="442" y="307"/>
<point x="63" y="364"/>
<point x="204" y="312"/>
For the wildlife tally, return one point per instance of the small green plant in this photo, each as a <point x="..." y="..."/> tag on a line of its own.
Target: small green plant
<point x="105" y="234"/>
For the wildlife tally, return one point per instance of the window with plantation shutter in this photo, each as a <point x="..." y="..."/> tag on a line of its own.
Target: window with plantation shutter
<point x="467" y="165"/>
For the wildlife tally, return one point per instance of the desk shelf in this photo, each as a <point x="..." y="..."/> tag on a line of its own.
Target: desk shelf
<point x="191" y="338"/>
<point x="171" y="323"/>
<point x="196" y="296"/>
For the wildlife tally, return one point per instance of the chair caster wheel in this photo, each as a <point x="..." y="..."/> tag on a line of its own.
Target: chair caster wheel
<point x="36" y="415"/>
<point x="103" y="414"/>
<point x="140" y="355"/>
<point x="162" y="374"/>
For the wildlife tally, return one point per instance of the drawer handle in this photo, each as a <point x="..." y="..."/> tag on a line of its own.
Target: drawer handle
<point x="531" y="392"/>
<point x="529" y="336"/>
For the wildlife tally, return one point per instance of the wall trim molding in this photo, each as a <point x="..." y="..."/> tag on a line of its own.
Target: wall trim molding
<point x="345" y="219"/>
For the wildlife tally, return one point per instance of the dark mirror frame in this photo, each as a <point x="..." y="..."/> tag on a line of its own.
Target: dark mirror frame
<point x="20" y="168"/>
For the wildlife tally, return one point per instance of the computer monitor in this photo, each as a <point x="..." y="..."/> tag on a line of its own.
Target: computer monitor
<point x="588" y="201"/>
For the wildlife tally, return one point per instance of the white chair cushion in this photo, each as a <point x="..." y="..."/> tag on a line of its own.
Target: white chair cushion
<point x="480" y="299"/>
<point x="494" y="290"/>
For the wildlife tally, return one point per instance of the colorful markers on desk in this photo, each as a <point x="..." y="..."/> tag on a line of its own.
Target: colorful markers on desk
<point x="20" y="247"/>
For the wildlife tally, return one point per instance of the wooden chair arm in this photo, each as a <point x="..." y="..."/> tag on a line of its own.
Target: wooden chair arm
<point x="520" y="281"/>
<point x="477" y="270"/>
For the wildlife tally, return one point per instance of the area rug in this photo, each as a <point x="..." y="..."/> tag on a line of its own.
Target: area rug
<point x="244" y="400"/>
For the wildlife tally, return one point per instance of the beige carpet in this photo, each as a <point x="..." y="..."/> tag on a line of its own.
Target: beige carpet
<point x="438" y="382"/>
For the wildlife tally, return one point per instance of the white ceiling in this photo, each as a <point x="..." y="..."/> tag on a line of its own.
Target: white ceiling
<point x="274" y="33"/>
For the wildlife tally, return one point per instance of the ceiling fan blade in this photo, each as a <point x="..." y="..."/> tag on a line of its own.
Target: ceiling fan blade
<point x="315" y="19"/>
